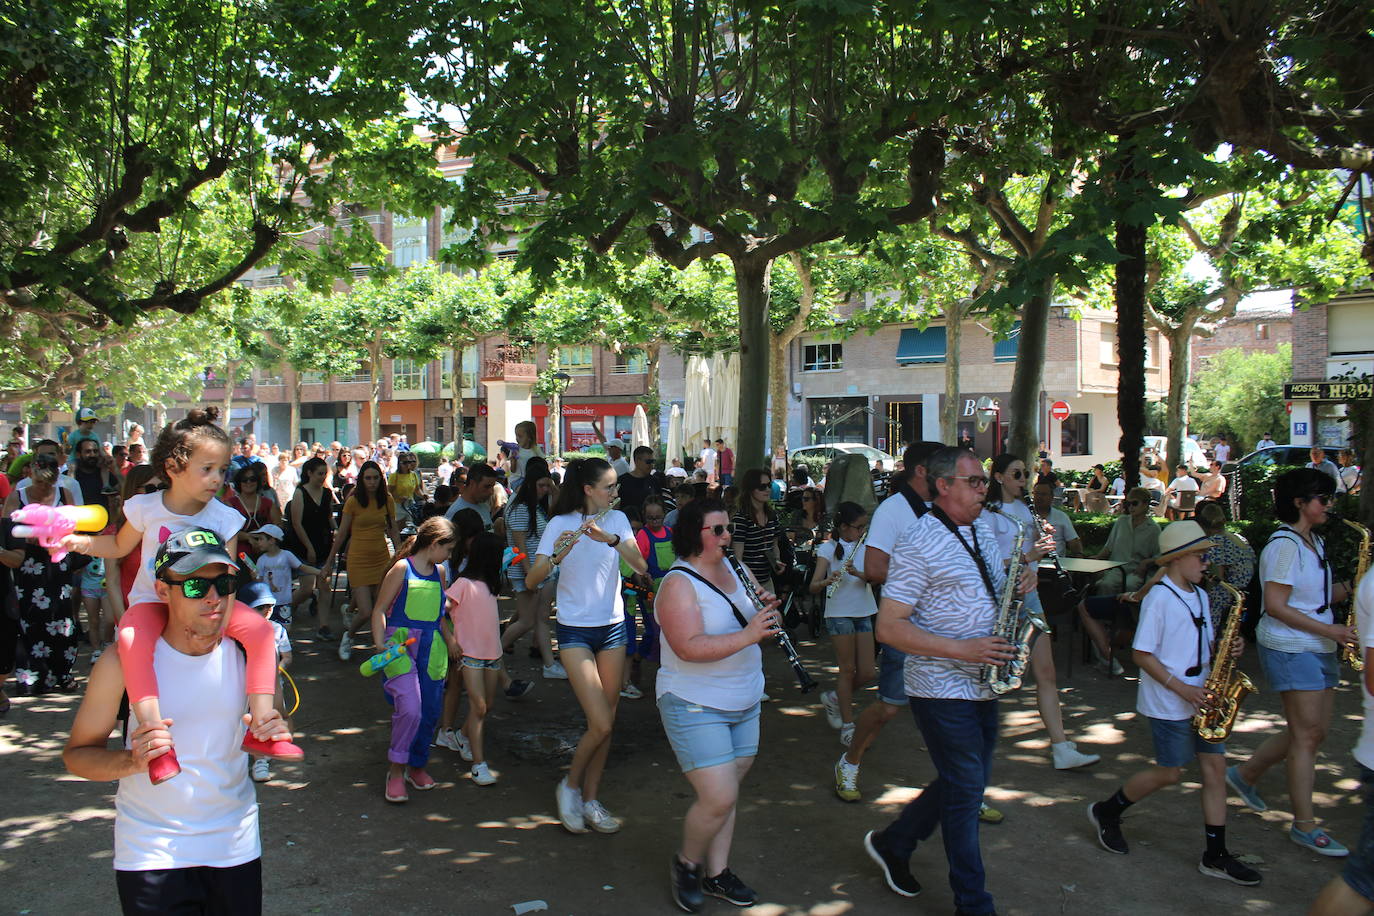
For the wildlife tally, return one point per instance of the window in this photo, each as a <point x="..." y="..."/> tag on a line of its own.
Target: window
<point x="361" y="374"/>
<point x="409" y="240"/>
<point x="576" y="360"/>
<point x="920" y="346"/>
<point x="1151" y="349"/>
<point x="839" y="420"/>
<point x="469" y="377"/>
<point x="407" y="375"/>
<point x="1073" y="436"/>
<point x="312" y="378"/>
<point x="1107" y="353"/>
<point x="630" y="362"/>
<point x="822" y="357"/>
<point x="1261" y="332"/>
<point x="1004" y="351"/>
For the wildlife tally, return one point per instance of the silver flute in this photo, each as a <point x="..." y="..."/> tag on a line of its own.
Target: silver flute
<point x="847" y="567"/>
<point x="570" y="538"/>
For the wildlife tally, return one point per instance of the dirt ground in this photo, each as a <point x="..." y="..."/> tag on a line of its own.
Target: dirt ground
<point x="331" y="844"/>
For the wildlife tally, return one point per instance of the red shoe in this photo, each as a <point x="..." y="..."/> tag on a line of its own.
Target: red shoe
<point x="396" y="789"/>
<point x="161" y="769"/>
<point x="276" y="750"/>
<point x="420" y="780"/>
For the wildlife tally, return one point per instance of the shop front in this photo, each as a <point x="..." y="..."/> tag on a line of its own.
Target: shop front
<point x="615" y="419"/>
<point x="1319" y="412"/>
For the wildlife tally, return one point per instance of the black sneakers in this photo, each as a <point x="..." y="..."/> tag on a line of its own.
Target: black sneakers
<point x="1230" y="868"/>
<point x="896" y="870"/>
<point x="1108" y="831"/>
<point x="728" y="887"/>
<point x="685" y="881"/>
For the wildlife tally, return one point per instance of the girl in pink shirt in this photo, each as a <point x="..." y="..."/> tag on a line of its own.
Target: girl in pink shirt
<point x="472" y="608"/>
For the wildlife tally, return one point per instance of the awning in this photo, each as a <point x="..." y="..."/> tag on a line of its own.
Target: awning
<point x="917" y="346"/>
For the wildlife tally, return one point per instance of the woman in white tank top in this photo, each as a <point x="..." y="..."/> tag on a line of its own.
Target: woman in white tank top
<point x="709" y="686"/>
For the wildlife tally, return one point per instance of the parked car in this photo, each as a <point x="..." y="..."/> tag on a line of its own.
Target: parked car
<point x="1295" y="455"/>
<point x="1193" y="455"/>
<point x="816" y="457"/>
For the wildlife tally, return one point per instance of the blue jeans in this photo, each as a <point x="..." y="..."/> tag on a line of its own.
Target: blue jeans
<point x="961" y="736"/>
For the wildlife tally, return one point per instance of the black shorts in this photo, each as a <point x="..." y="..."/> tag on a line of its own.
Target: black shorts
<point x="235" y="891"/>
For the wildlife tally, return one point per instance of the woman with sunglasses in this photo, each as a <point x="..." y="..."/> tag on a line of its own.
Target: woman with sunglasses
<point x="253" y="501"/>
<point x="1007" y="513"/>
<point x="807" y="522"/>
<point x="1298" y="639"/>
<point x="591" y="624"/>
<point x="368" y="518"/>
<point x="755" y="540"/>
<point x="708" y="689"/>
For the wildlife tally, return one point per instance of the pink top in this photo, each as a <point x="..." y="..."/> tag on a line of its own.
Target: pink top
<point x="475" y="619"/>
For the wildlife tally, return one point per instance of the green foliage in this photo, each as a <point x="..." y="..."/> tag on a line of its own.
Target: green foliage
<point x="1240" y="393"/>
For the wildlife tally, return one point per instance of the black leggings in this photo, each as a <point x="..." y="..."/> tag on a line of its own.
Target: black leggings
<point x="234" y="891"/>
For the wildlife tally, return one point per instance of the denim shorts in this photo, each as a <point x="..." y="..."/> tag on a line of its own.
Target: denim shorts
<point x="703" y="736"/>
<point x="892" y="676"/>
<point x="1177" y="742"/>
<point x="493" y="664"/>
<point x="848" y="626"/>
<point x="517" y="582"/>
<point x="593" y="639"/>
<point x="1359" y="867"/>
<point x="1298" y="670"/>
<point x="93" y="579"/>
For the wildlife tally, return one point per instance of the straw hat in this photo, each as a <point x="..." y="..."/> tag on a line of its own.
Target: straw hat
<point x="1180" y="538"/>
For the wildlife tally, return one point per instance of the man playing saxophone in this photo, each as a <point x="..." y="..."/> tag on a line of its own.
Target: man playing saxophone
<point x="1173" y="648"/>
<point x="939" y="605"/>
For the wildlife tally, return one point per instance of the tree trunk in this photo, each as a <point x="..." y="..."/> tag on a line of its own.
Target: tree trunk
<point x="159" y="419"/>
<point x="1130" y="346"/>
<point x="231" y="373"/>
<point x="1366" y="508"/>
<point x="555" y="407"/>
<point x="653" y="354"/>
<point x="1030" y="371"/>
<point x="777" y="392"/>
<point x="753" y="286"/>
<point x="456" y="390"/>
<point x="296" y="385"/>
<point x="1180" y="375"/>
<point x="374" y="392"/>
<point x="954" y="336"/>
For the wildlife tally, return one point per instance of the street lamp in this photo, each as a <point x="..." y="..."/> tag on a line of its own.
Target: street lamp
<point x="561" y="380"/>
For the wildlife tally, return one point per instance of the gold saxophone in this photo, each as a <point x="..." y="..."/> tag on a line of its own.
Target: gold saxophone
<point x="1227" y="685"/>
<point x="1353" y="655"/>
<point x="1015" y="627"/>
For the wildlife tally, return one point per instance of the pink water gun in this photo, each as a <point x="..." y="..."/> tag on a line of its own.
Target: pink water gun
<point x="50" y="524"/>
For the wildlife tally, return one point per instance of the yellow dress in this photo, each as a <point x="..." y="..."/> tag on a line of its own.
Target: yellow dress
<point x="368" y="555"/>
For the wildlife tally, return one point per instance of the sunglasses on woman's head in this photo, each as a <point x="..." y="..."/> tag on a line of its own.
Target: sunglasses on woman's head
<point x="720" y="530"/>
<point x="199" y="586"/>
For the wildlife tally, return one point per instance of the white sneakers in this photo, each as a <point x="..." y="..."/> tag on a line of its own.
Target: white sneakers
<point x="631" y="692"/>
<point x="595" y="814"/>
<point x="569" y="807"/>
<point x="262" y="769"/>
<point x="1067" y="756"/>
<point x="847" y="733"/>
<point x="831" y="701"/>
<point x="481" y="774"/>
<point x="454" y="740"/>
<point x="555" y="672"/>
<point x="346" y="646"/>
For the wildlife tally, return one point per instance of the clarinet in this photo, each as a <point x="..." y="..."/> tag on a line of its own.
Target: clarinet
<point x="1065" y="580"/>
<point x="789" y="649"/>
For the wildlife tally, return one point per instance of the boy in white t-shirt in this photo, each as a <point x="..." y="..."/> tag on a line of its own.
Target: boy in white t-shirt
<point x="258" y="596"/>
<point x="277" y="568"/>
<point x="1173" y="648"/>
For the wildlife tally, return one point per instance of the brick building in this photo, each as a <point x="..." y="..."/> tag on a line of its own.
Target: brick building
<point x="1332" y="342"/>
<point x="1257" y="330"/>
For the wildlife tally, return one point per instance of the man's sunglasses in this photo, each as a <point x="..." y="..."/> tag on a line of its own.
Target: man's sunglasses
<point x="199" y="586"/>
<point x="720" y="530"/>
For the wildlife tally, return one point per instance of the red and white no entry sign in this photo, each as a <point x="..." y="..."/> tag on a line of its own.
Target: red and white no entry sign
<point x="1060" y="411"/>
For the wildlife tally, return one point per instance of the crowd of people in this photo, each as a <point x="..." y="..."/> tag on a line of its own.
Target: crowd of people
<point x="667" y="580"/>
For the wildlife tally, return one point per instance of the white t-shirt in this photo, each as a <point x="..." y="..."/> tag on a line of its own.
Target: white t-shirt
<point x="1179" y="485"/>
<point x="1118" y="487"/>
<point x="1168" y="630"/>
<point x="589" y="576"/>
<point x="147" y="514"/>
<point x="1064" y="531"/>
<point x="1287" y="560"/>
<point x="283" y="640"/>
<point x="708" y="460"/>
<point x="522" y="458"/>
<point x="277" y="571"/>
<point x="1004" y="521"/>
<point x="893" y="516"/>
<point x="621" y="466"/>
<point x="853" y="598"/>
<point x="445" y="472"/>
<point x="1222" y="452"/>
<point x="1364" y="610"/>
<point x="676" y="471"/>
<point x="207" y="816"/>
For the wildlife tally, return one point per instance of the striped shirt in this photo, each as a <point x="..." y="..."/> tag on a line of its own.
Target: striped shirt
<point x="758" y="541"/>
<point x="933" y="574"/>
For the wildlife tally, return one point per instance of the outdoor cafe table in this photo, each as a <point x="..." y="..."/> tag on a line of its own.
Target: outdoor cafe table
<point x="1091" y="569"/>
